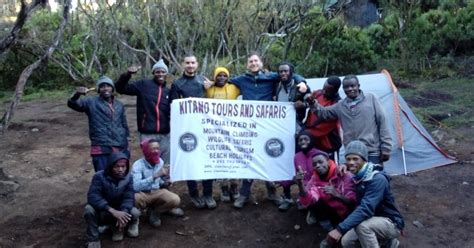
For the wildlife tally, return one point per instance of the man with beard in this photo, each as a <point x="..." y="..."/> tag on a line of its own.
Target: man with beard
<point x="326" y="133"/>
<point x="110" y="201"/>
<point x="362" y="118"/>
<point x="193" y="85"/>
<point x="223" y="90"/>
<point x="150" y="181"/>
<point x="108" y="129"/>
<point x="153" y="104"/>
<point x="287" y="91"/>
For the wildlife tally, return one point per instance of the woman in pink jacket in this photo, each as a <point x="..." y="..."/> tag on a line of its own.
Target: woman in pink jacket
<point x="329" y="197"/>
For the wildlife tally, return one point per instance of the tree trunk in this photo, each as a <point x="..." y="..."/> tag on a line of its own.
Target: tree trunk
<point x="20" y="86"/>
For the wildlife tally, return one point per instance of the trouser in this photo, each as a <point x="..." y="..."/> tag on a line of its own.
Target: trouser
<point x="193" y="188"/>
<point x="164" y="140"/>
<point x="159" y="200"/>
<point x="368" y="233"/>
<point x="322" y="212"/>
<point x="95" y="218"/>
<point x="247" y="185"/>
<point x="100" y="160"/>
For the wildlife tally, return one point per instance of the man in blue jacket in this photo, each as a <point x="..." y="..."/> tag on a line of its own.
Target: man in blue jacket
<point x="108" y="129"/>
<point x="153" y="104"/>
<point x="376" y="218"/>
<point x="259" y="85"/>
<point x="110" y="200"/>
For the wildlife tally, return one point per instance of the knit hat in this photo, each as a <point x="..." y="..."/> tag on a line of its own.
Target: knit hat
<point x="219" y="70"/>
<point x="160" y="65"/>
<point x="358" y="148"/>
<point x="319" y="152"/>
<point x="104" y="80"/>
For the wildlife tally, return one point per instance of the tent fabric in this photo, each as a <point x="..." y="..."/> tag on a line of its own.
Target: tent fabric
<point x="409" y="138"/>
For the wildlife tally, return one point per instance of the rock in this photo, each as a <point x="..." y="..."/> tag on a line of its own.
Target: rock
<point x="287" y="236"/>
<point x="297" y="227"/>
<point x="465" y="183"/>
<point x="7" y="187"/>
<point x="418" y="224"/>
<point x="35" y="130"/>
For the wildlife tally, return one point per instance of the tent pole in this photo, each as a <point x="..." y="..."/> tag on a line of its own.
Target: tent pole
<point x="336" y="157"/>
<point x="404" y="160"/>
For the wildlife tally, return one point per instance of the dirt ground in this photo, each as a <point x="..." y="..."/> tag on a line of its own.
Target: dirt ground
<point x="45" y="171"/>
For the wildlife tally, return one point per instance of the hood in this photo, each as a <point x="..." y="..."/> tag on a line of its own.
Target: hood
<point x="114" y="157"/>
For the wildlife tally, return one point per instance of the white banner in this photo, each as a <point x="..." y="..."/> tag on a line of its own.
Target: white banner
<point x="212" y="139"/>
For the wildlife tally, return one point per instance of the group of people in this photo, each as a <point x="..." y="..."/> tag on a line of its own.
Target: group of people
<point x="353" y="202"/>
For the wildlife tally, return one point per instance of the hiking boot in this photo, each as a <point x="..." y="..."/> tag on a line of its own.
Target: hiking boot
<point x="392" y="243"/>
<point x="240" y="201"/>
<point x="117" y="235"/>
<point x="177" y="212"/>
<point x="94" y="244"/>
<point x="225" y="194"/>
<point x="311" y="219"/>
<point x="276" y="199"/>
<point x="286" y="204"/>
<point x="132" y="230"/>
<point x="154" y="218"/>
<point x="198" y="202"/>
<point x="103" y="229"/>
<point x="210" y="202"/>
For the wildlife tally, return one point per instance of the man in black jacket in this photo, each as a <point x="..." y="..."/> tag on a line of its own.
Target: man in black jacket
<point x="193" y="85"/>
<point x="153" y="104"/>
<point x="110" y="200"/>
<point x="108" y="129"/>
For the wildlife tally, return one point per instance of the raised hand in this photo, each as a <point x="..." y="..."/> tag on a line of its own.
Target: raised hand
<point x="133" y="69"/>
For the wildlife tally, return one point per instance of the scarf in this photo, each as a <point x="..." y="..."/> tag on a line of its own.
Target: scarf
<point x="363" y="173"/>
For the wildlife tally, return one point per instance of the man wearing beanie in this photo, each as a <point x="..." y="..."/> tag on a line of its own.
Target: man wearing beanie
<point x="108" y="129"/>
<point x="222" y="89"/>
<point x="362" y="118"/>
<point x="376" y="221"/>
<point x="326" y="133"/>
<point x="193" y="85"/>
<point x="153" y="104"/>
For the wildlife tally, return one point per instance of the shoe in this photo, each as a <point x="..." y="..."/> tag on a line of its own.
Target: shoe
<point x="117" y="235"/>
<point x="132" y="230"/>
<point x="198" y="202"/>
<point x="311" y="219"/>
<point x="234" y="192"/>
<point x="210" y="202"/>
<point x="286" y="204"/>
<point x="177" y="212"/>
<point x="324" y="244"/>
<point x="240" y="202"/>
<point x="276" y="199"/>
<point x="154" y="218"/>
<point x="225" y="196"/>
<point x="392" y="243"/>
<point x="94" y="244"/>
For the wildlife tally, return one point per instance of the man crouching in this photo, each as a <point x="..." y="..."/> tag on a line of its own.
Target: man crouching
<point x="110" y="200"/>
<point x="376" y="221"/>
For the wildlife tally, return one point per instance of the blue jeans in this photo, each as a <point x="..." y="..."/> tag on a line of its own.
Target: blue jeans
<point x="206" y="188"/>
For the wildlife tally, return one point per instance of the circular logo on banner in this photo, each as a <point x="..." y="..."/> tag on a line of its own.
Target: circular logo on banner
<point x="187" y="142"/>
<point x="274" y="147"/>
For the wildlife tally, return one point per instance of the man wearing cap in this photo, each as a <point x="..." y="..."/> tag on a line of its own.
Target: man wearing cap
<point x="362" y="118"/>
<point x="153" y="104"/>
<point x="108" y="129"/>
<point x="376" y="221"/>
<point x="224" y="90"/>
